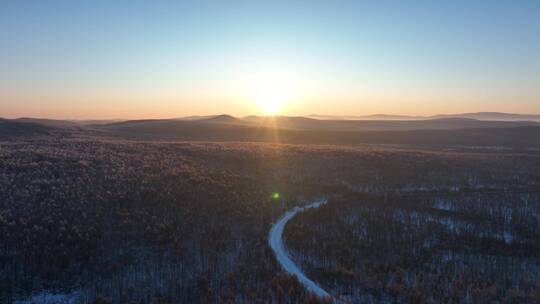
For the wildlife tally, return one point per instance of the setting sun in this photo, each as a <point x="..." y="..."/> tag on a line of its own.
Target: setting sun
<point x="271" y="103"/>
<point x="271" y="88"/>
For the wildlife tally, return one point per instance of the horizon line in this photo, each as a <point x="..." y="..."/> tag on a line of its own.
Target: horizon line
<point x="277" y="115"/>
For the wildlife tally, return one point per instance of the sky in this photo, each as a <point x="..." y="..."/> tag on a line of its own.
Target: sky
<point x="163" y="59"/>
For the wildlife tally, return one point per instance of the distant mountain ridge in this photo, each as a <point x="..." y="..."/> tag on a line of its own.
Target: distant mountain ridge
<point x="389" y="123"/>
<point x="367" y="117"/>
<point x="289" y="129"/>
<point x="304" y="123"/>
<point x="524" y="136"/>
<point x="496" y="116"/>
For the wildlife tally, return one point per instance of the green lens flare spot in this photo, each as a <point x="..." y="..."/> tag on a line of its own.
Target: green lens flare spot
<point x="275" y="195"/>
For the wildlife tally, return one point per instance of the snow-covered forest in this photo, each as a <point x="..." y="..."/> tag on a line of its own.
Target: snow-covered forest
<point x="98" y="220"/>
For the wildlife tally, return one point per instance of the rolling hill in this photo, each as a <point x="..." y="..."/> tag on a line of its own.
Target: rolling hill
<point x="290" y="129"/>
<point x="508" y="134"/>
<point x="495" y="116"/>
<point x="306" y="123"/>
<point x="303" y="123"/>
<point x="14" y="128"/>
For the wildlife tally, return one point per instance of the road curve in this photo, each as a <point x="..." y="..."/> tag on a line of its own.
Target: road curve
<point x="275" y="241"/>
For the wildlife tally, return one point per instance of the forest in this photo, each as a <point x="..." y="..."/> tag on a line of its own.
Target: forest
<point x="436" y="247"/>
<point x="90" y="219"/>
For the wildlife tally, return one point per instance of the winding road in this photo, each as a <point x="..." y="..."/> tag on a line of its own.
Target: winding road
<point x="275" y="240"/>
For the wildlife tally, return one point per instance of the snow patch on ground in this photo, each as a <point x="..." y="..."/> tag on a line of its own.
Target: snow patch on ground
<point x="441" y="204"/>
<point x="51" y="298"/>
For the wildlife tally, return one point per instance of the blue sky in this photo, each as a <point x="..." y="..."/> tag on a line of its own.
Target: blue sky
<point x="82" y="59"/>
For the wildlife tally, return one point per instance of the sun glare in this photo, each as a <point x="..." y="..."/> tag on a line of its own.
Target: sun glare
<point x="271" y="102"/>
<point x="270" y="89"/>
